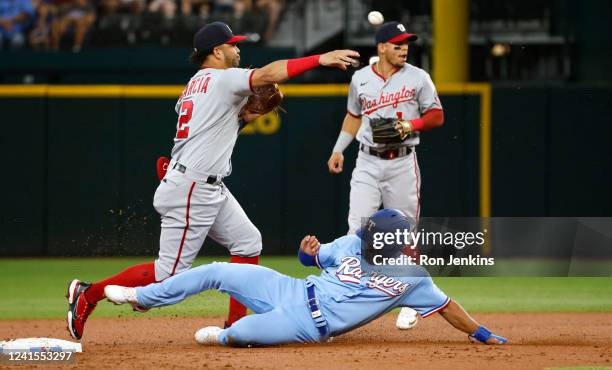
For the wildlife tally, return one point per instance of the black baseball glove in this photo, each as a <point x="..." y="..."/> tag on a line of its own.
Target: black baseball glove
<point x="390" y="130"/>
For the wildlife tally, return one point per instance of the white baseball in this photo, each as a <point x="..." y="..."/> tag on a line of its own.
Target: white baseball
<point x="375" y="18"/>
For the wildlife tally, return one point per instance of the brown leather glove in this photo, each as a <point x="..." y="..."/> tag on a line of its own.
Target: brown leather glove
<point x="266" y="99"/>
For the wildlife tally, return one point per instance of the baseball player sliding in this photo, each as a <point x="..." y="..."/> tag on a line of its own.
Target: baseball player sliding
<point x="389" y="103"/>
<point x="192" y="200"/>
<point x="288" y="310"/>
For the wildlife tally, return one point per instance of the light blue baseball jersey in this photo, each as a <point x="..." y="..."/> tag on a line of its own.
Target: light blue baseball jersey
<point x="348" y="297"/>
<point x="351" y="297"/>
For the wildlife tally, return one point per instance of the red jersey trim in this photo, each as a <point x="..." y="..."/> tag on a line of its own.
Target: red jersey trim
<point x="381" y="76"/>
<point x="446" y="303"/>
<point x="251" y="81"/>
<point x="178" y="257"/>
<point x="352" y="115"/>
<point x="418" y="186"/>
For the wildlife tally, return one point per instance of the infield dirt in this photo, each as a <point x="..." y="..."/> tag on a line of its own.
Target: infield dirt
<point x="537" y="341"/>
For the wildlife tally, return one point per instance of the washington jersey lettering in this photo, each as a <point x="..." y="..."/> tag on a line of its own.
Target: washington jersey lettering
<point x="407" y="94"/>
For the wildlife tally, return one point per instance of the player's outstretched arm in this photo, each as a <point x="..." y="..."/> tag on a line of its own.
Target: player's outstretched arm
<point x="350" y="126"/>
<point x="461" y="320"/>
<point x="282" y="70"/>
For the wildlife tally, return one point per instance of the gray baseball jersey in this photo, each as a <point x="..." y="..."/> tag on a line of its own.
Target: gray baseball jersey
<point x="407" y="94"/>
<point x="207" y="128"/>
<point x="190" y="207"/>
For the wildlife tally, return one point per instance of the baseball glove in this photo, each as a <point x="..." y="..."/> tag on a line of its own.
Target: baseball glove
<point x="265" y="100"/>
<point x="390" y="130"/>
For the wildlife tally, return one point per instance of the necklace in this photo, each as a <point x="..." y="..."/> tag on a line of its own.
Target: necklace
<point x="379" y="72"/>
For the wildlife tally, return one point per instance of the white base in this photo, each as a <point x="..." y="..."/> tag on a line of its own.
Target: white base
<point x="39" y="345"/>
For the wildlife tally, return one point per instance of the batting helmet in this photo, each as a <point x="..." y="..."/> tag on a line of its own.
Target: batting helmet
<point x="383" y="222"/>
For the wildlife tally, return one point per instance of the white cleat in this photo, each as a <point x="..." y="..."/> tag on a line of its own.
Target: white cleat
<point x="208" y="335"/>
<point x="120" y="295"/>
<point x="407" y="319"/>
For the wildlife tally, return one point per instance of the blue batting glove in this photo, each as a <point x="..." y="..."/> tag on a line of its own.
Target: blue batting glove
<point x="483" y="334"/>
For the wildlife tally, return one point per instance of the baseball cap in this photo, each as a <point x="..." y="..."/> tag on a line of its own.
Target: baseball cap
<point x="214" y="34"/>
<point x="393" y="32"/>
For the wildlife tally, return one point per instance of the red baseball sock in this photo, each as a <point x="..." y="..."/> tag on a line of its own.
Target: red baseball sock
<point x="236" y="309"/>
<point x="139" y="275"/>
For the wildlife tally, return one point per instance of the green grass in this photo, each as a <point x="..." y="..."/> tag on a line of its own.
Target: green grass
<point x="35" y="288"/>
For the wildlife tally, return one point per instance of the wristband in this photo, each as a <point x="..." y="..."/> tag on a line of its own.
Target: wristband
<point x="483" y="334"/>
<point x="417" y="124"/>
<point x="344" y="139"/>
<point x="306" y="259"/>
<point x="298" y="66"/>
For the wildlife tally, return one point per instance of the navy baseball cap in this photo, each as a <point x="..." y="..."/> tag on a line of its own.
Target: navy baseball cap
<point x="393" y="32"/>
<point x="214" y="34"/>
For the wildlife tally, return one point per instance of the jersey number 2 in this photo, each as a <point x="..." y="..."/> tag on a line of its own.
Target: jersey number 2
<point x="182" y="128"/>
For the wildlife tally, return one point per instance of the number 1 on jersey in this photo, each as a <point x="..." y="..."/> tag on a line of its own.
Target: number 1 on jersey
<point x="182" y="127"/>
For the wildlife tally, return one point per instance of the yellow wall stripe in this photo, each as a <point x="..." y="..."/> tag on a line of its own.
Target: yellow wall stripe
<point x="316" y="90"/>
<point x="17" y="91"/>
<point x="173" y="91"/>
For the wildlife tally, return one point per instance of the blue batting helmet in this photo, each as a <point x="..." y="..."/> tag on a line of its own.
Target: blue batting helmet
<point x="386" y="220"/>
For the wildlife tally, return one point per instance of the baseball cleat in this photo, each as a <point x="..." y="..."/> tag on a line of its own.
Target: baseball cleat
<point x="208" y="335"/>
<point x="78" y="308"/>
<point x="120" y="295"/>
<point x="407" y="319"/>
<point x="139" y="308"/>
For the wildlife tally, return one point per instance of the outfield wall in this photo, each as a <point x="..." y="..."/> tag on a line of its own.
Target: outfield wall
<point x="81" y="166"/>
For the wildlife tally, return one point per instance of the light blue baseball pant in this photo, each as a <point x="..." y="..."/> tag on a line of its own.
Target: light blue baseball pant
<point x="279" y="301"/>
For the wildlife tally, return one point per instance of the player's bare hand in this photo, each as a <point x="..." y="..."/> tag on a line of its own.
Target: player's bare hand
<point x="335" y="163"/>
<point x="310" y="245"/>
<point x="248" y="116"/>
<point x="340" y="59"/>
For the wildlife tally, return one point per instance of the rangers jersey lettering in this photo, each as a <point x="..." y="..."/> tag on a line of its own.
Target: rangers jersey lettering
<point x="350" y="272"/>
<point x="357" y="297"/>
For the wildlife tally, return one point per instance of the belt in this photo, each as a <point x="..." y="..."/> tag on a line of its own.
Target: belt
<point x="315" y="311"/>
<point x="390" y="153"/>
<point x="209" y="180"/>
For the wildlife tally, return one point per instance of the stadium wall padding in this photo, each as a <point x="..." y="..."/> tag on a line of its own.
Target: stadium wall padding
<point x="80" y="172"/>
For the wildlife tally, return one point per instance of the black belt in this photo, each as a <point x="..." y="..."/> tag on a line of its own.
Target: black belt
<point x="390" y="153"/>
<point x="315" y="312"/>
<point x="209" y="180"/>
